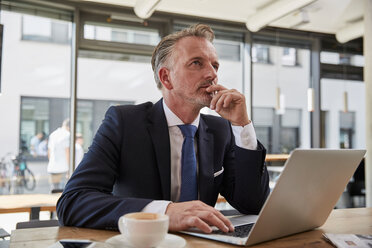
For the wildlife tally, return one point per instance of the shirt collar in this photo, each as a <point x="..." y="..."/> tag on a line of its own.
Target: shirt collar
<point x="173" y="120"/>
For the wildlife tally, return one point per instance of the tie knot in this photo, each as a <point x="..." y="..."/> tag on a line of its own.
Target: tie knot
<point x="188" y="130"/>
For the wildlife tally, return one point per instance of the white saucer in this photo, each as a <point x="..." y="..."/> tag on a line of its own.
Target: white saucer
<point x="170" y="241"/>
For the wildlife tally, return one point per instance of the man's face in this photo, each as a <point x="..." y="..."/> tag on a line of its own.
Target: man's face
<point x="193" y="67"/>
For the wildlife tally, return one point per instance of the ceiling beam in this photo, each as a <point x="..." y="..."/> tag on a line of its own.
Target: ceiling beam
<point x="274" y="11"/>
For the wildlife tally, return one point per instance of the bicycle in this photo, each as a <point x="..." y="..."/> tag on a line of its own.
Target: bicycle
<point x="6" y="164"/>
<point x="24" y="177"/>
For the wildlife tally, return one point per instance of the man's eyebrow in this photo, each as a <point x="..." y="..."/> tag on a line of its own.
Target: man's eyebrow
<point x="196" y="58"/>
<point x="201" y="58"/>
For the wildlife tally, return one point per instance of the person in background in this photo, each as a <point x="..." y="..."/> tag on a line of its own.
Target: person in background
<point x="59" y="155"/>
<point x="34" y="143"/>
<point x="42" y="148"/>
<point x="167" y="157"/>
<point x="79" y="150"/>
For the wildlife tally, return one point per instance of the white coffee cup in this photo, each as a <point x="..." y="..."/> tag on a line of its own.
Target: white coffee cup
<point x="144" y="229"/>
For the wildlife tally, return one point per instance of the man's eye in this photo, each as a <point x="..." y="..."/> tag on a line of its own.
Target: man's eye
<point x="215" y="67"/>
<point x="196" y="62"/>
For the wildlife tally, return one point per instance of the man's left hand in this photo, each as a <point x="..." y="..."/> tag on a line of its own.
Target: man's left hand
<point x="230" y="104"/>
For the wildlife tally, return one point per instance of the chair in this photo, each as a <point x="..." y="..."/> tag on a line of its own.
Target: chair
<point x="3" y="233"/>
<point x="54" y="191"/>
<point x="37" y="223"/>
<point x="3" y="242"/>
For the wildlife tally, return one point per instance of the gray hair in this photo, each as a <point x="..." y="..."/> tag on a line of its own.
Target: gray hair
<point x="163" y="51"/>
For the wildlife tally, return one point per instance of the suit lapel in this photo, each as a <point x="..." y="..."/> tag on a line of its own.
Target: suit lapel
<point x="158" y="129"/>
<point x="205" y="154"/>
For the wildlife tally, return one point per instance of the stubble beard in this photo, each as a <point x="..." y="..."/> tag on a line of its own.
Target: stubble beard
<point x="200" y="98"/>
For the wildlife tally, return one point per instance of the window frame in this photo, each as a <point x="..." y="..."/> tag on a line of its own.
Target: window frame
<point x="111" y="46"/>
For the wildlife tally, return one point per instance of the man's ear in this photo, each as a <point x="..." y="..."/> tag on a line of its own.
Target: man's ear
<point x="164" y="76"/>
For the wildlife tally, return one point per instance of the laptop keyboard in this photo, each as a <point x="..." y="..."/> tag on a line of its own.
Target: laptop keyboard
<point x="240" y="231"/>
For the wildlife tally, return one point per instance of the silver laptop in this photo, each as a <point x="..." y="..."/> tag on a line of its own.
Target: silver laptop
<point x="306" y="192"/>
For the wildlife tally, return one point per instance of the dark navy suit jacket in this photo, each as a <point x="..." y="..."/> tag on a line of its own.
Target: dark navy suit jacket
<point x="128" y="166"/>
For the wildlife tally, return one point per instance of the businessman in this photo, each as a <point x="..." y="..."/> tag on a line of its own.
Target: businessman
<point x="167" y="157"/>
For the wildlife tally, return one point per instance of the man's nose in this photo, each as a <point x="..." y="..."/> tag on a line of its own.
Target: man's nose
<point x="211" y="73"/>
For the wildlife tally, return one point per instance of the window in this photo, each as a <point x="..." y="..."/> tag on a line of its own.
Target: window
<point x="37" y="28"/>
<point x="128" y="79"/>
<point x="261" y="54"/>
<point x="35" y="73"/>
<point x="36" y="118"/>
<point x="278" y="133"/>
<point x="347" y="121"/>
<point x="341" y="59"/>
<point x="231" y="66"/>
<point x="290" y="124"/>
<point x="227" y="50"/>
<point x="289" y="128"/>
<point x="263" y="124"/>
<point x="289" y="57"/>
<point x="230" y="72"/>
<point x="121" y="33"/>
<point x="343" y="129"/>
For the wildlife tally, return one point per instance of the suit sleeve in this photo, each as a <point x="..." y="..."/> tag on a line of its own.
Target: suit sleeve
<point x="87" y="200"/>
<point x="246" y="179"/>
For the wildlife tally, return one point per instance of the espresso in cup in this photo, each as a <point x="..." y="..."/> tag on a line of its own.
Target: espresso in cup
<point x="144" y="229"/>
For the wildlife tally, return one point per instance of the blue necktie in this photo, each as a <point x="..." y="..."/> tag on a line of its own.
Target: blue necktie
<point x="189" y="184"/>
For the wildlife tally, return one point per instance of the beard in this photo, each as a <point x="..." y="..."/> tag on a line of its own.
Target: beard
<point x="197" y="97"/>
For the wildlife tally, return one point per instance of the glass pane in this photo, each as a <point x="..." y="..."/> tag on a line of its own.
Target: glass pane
<point x="344" y="121"/>
<point x="289" y="56"/>
<point x="36" y="26"/>
<point x="106" y="79"/>
<point x="347" y="129"/>
<point x="341" y="59"/>
<point x="276" y="82"/>
<point x="263" y="123"/>
<point x="35" y="77"/>
<point x="261" y="53"/>
<point x="35" y="120"/>
<point x="120" y="33"/>
<point x="230" y="72"/>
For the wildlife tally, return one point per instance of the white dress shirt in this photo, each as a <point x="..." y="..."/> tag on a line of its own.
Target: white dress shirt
<point x="245" y="137"/>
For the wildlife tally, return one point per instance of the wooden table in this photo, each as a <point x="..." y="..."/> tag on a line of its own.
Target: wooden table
<point x="358" y="221"/>
<point x="276" y="157"/>
<point x="31" y="203"/>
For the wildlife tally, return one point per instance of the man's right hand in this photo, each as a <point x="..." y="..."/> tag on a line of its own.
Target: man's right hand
<point x="184" y="215"/>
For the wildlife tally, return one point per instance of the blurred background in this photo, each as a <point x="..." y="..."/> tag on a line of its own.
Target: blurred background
<point x="299" y="63"/>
